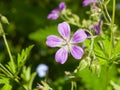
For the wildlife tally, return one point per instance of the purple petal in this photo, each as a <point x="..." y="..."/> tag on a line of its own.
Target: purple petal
<point x="88" y="2"/>
<point x="79" y="36"/>
<point x="97" y="28"/>
<point x="64" y="30"/>
<point x="76" y="51"/>
<point x="54" y="41"/>
<point x="54" y="14"/>
<point x="61" y="55"/>
<point x="62" y="6"/>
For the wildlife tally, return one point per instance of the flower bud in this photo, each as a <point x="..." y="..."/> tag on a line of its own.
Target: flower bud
<point x="4" y="19"/>
<point x="83" y="65"/>
<point x="98" y="70"/>
<point x="93" y="68"/>
<point x="106" y="2"/>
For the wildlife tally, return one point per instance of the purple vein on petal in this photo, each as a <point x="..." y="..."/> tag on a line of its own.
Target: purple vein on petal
<point x="64" y="30"/>
<point x="54" y="41"/>
<point x="79" y="36"/>
<point x="76" y="51"/>
<point x="61" y="55"/>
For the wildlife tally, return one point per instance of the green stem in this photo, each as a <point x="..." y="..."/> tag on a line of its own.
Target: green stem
<point x="103" y="7"/>
<point x="8" y="49"/>
<point x="6" y="44"/>
<point x="112" y="27"/>
<point x="113" y="13"/>
<point x="91" y="47"/>
<point x="106" y="11"/>
<point x="73" y="85"/>
<point x="107" y="78"/>
<point x="5" y="71"/>
<point x="111" y="42"/>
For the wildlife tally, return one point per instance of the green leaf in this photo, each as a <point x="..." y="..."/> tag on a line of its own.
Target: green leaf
<point x="99" y="50"/>
<point x="21" y="59"/>
<point x="32" y="77"/>
<point x="6" y="87"/>
<point x="41" y="34"/>
<point x="115" y="86"/>
<point x="11" y="67"/>
<point x="28" y="77"/>
<point x="4" y="80"/>
<point x="6" y="83"/>
<point x="116" y="49"/>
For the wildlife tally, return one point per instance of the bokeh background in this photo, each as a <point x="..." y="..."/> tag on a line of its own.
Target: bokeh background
<point x="28" y="25"/>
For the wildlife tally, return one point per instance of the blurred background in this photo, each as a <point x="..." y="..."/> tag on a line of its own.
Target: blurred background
<point x="29" y="25"/>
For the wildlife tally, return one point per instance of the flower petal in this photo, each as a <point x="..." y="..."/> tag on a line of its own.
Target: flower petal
<point x="79" y="36"/>
<point x="64" y="30"/>
<point x="88" y="2"/>
<point x="54" y="41"/>
<point x="97" y="28"/>
<point x="61" y="55"/>
<point x="76" y="51"/>
<point x="54" y="14"/>
<point x="62" y="6"/>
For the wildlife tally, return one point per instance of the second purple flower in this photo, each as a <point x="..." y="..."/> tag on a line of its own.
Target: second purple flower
<point x="66" y="43"/>
<point x="55" y="13"/>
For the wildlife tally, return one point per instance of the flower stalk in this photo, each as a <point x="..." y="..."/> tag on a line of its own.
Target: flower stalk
<point x="6" y="44"/>
<point x="112" y="27"/>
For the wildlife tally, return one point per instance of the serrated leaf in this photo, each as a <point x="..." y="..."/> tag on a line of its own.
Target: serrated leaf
<point x="28" y="77"/>
<point x="31" y="80"/>
<point x="11" y="66"/>
<point x="26" y="73"/>
<point x="21" y="59"/>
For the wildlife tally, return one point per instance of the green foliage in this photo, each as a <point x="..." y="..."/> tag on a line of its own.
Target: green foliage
<point x="27" y="77"/>
<point x="28" y="23"/>
<point x="5" y="82"/>
<point x="41" y="34"/>
<point x="21" y="58"/>
<point x="115" y="86"/>
<point x="9" y="74"/>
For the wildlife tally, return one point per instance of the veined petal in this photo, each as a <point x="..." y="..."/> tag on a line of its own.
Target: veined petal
<point x="76" y="51"/>
<point x="61" y="55"/>
<point x="64" y="30"/>
<point x="79" y="36"/>
<point x="54" y="41"/>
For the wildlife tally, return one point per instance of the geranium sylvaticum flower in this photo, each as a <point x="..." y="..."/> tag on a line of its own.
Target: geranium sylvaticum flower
<point x="66" y="43"/>
<point x="88" y="2"/>
<point x="55" y="13"/>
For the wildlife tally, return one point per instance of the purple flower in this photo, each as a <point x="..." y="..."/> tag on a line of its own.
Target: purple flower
<point x="66" y="43"/>
<point x="97" y="28"/>
<point x="55" y="13"/>
<point x="88" y="2"/>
